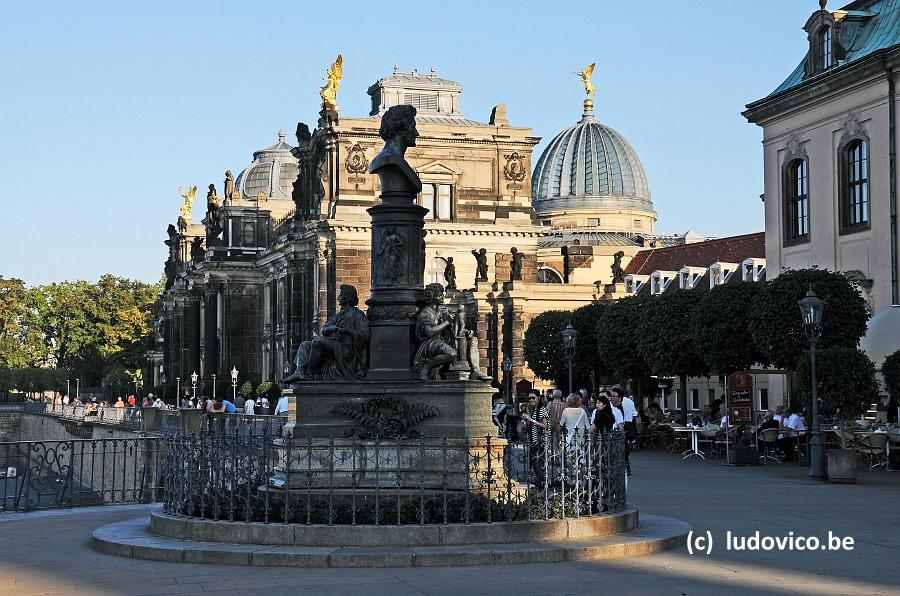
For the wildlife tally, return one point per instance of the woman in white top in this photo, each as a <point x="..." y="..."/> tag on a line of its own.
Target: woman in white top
<point x="574" y="419"/>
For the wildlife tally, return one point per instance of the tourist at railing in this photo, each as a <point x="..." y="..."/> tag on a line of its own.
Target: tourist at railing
<point x="536" y="418"/>
<point x="119" y="403"/>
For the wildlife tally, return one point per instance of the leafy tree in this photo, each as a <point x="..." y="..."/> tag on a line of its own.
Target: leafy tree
<point x="618" y="338"/>
<point x="775" y="318"/>
<point x="845" y="378"/>
<point x="665" y="339"/>
<point x="246" y="389"/>
<point x="721" y="328"/>
<point x="890" y="370"/>
<point x="21" y="344"/>
<point x="586" y="320"/>
<point x="543" y="347"/>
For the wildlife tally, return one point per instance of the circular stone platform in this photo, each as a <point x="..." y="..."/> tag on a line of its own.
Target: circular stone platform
<point x="544" y="541"/>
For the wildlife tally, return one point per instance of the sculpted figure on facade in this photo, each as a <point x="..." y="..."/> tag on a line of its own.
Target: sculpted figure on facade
<point x="213" y="217"/>
<point x="398" y="129"/>
<point x="515" y="266"/>
<point x="450" y="274"/>
<point x="481" y="273"/>
<point x="618" y="273"/>
<point x="197" y="250"/>
<point x="341" y="351"/>
<point x="434" y="327"/>
<point x="229" y="185"/>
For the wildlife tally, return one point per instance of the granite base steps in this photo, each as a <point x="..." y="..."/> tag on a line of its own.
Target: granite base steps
<point x="133" y="538"/>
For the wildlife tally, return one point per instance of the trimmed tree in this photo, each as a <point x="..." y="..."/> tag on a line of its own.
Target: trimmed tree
<point x="666" y="343"/>
<point x="588" y="366"/>
<point x="543" y="348"/>
<point x="618" y="338"/>
<point x="721" y="330"/>
<point x="775" y="317"/>
<point x="890" y="370"/>
<point x="845" y="378"/>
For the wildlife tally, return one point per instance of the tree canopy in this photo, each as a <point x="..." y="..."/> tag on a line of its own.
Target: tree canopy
<point x="720" y="328"/>
<point x="845" y="381"/>
<point x="775" y="317"/>
<point x="891" y="372"/>
<point x="543" y="348"/>
<point x="96" y="330"/>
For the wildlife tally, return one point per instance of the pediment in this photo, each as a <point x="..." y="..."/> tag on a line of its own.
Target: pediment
<point x="437" y="167"/>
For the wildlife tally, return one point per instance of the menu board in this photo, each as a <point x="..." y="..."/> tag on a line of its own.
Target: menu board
<point x="740" y="398"/>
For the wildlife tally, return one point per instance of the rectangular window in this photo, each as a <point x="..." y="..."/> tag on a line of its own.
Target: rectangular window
<point x="856" y="189"/>
<point x="592" y="222"/>
<point x="428" y="200"/>
<point x="763" y="398"/>
<point x="676" y="398"/>
<point x="695" y="399"/>
<point x="444" y="202"/>
<point x="636" y="224"/>
<point x="438" y="199"/>
<point x="796" y="196"/>
<point x="710" y="395"/>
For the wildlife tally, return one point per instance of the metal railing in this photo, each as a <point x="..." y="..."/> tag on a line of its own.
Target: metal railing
<point x="261" y="478"/>
<point x="47" y="474"/>
<point x="126" y="417"/>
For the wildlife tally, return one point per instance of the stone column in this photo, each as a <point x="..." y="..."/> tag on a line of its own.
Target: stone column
<point x="398" y="271"/>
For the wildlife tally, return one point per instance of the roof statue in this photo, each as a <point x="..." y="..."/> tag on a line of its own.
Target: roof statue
<point x="586" y="78"/>
<point x="188" y="197"/>
<point x="333" y="82"/>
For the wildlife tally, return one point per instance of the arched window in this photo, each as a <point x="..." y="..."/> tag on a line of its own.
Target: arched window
<point x="796" y="218"/>
<point x="855" y="195"/>
<point x="826" y="52"/>
<point x="434" y="271"/>
<point x="548" y="276"/>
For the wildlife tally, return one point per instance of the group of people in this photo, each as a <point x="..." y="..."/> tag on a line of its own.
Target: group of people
<point x="241" y="405"/>
<point x="548" y="420"/>
<point x="792" y="423"/>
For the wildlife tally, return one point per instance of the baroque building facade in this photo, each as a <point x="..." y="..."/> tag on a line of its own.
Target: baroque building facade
<point x="261" y="274"/>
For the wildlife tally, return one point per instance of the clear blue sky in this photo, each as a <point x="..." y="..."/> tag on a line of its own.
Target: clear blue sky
<point x="106" y="108"/>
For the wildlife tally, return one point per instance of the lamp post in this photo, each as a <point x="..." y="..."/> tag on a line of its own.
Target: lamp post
<point x="194" y="377"/>
<point x="177" y="389"/>
<point x="570" y="339"/>
<point x="214" y="387"/>
<point x="234" y="375"/>
<point x="811" y="307"/>
<point x="507" y="378"/>
<point x="77" y="388"/>
<point x="662" y="394"/>
<point x="68" y="387"/>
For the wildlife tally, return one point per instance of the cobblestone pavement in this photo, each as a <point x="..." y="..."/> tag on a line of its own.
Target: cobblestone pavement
<point x="49" y="553"/>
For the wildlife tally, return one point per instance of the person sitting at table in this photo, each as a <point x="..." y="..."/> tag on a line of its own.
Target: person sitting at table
<point x="706" y="416"/>
<point x="779" y="416"/>
<point x="797" y="426"/>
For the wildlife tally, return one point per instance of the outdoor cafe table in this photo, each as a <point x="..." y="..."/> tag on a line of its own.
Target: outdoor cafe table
<point x="695" y="448"/>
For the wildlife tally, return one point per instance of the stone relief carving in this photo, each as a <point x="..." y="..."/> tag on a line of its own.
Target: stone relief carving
<point x="393" y="247"/>
<point x="392" y="312"/>
<point x="356" y="163"/>
<point x="384" y="417"/>
<point x="514" y="170"/>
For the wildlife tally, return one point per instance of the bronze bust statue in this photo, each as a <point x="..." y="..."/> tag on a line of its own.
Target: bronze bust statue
<point x="398" y="129"/>
<point x="341" y="352"/>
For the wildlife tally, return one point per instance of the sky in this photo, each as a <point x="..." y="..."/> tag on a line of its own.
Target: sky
<point x="106" y="108"/>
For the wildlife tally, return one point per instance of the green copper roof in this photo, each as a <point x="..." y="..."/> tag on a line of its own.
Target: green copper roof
<point x="870" y="25"/>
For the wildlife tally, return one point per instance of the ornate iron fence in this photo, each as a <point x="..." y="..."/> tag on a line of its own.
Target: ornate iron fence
<point x="266" y="478"/>
<point x="46" y="474"/>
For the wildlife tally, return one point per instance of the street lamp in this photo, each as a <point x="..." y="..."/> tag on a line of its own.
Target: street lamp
<point x="77" y="388"/>
<point x="811" y="307"/>
<point x="570" y="339"/>
<point x="507" y="377"/>
<point x="234" y="374"/>
<point x="194" y="377"/>
<point x="214" y="386"/>
<point x="177" y="389"/>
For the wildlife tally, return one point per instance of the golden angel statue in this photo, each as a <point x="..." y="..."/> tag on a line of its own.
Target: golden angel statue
<point x="586" y="78"/>
<point x="188" y="197"/>
<point x="333" y="83"/>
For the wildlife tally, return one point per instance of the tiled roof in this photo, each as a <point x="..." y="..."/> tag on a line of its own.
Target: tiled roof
<point x="733" y="249"/>
<point x="871" y="25"/>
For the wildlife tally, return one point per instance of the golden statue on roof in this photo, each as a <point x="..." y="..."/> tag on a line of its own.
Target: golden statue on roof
<point x="188" y="197"/>
<point x="333" y="82"/>
<point x="586" y="78"/>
